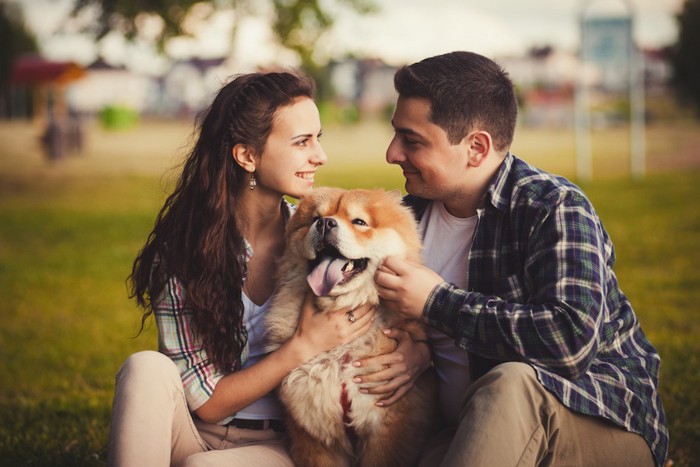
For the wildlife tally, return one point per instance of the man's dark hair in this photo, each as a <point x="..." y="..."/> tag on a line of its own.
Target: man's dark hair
<point x="466" y="91"/>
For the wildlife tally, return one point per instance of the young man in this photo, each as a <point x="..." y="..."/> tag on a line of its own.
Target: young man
<point x="541" y="357"/>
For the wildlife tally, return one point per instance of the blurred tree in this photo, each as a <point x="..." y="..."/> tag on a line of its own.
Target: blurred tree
<point x="685" y="55"/>
<point x="298" y="24"/>
<point x="15" y="40"/>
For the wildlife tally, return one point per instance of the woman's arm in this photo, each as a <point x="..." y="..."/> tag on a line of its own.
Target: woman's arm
<point x="315" y="333"/>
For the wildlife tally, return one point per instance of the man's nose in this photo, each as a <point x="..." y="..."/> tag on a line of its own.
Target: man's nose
<point x="393" y="152"/>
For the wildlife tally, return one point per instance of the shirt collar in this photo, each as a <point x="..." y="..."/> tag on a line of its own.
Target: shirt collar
<point x="498" y="193"/>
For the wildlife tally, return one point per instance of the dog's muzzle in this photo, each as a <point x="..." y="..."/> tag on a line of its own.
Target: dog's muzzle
<point x="331" y="268"/>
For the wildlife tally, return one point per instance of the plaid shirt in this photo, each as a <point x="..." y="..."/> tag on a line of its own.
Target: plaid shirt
<point x="542" y="290"/>
<point x="176" y="339"/>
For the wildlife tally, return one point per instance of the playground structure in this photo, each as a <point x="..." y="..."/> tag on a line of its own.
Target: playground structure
<point x="58" y="128"/>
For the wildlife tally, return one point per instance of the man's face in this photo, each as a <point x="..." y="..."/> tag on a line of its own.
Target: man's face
<point x="431" y="165"/>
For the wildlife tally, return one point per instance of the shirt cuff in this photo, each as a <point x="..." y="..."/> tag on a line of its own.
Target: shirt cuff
<point x="444" y="310"/>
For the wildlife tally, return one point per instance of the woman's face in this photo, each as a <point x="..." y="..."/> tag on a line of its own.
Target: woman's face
<point x="293" y="151"/>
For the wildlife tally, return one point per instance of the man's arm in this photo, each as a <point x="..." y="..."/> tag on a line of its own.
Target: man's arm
<point x="548" y="314"/>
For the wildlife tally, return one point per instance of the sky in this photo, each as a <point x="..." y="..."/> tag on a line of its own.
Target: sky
<point x="403" y="31"/>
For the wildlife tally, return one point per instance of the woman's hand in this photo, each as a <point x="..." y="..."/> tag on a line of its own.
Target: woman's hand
<point x="319" y="332"/>
<point x="402" y="367"/>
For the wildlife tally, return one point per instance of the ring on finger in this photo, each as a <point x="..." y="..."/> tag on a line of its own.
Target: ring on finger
<point x="351" y="317"/>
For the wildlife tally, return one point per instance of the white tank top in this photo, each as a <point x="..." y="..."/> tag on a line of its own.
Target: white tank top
<point x="268" y="406"/>
<point x="446" y="243"/>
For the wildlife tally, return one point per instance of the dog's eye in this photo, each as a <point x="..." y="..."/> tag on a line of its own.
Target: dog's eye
<point x="359" y="222"/>
<point x="315" y="219"/>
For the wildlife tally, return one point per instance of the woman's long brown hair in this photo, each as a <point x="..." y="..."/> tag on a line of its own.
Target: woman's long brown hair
<point x="195" y="238"/>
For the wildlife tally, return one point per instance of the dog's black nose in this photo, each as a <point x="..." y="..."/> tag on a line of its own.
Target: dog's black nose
<point x="326" y="224"/>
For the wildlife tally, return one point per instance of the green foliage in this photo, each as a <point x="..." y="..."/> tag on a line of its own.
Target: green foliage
<point x="298" y="24"/>
<point x="123" y="16"/>
<point x="114" y="117"/>
<point x="16" y="41"/>
<point x="685" y="59"/>
<point x="14" y="37"/>
<point x="66" y="247"/>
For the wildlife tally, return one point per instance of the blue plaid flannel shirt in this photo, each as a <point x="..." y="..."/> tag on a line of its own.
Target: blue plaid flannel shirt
<point x="542" y="291"/>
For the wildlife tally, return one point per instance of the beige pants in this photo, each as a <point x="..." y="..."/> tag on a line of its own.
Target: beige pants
<point x="509" y="419"/>
<point x="152" y="426"/>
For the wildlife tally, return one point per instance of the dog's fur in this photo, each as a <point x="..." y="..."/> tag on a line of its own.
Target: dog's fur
<point x="330" y="422"/>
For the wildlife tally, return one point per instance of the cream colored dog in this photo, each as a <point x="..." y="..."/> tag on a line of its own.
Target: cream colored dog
<point x="335" y="242"/>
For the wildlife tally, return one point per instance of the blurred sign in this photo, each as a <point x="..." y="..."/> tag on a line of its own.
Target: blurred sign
<point x="608" y="39"/>
<point x="608" y="44"/>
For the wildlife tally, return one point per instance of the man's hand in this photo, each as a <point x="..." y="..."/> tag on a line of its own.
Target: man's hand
<point x="405" y="286"/>
<point x="401" y="368"/>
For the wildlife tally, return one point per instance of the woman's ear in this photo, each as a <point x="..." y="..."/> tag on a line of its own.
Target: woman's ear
<point x="480" y="144"/>
<point x="244" y="156"/>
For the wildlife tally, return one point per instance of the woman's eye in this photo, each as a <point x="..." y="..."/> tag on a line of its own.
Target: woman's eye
<point x="359" y="222"/>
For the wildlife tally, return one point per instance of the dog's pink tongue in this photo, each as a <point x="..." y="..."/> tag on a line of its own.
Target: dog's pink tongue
<point x="326" y="275"/>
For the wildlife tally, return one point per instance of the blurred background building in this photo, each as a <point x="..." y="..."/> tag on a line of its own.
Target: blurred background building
<point x="122" y="74"/>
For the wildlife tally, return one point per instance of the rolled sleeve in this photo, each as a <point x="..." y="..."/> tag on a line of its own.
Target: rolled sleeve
<point x="176" y="340"/>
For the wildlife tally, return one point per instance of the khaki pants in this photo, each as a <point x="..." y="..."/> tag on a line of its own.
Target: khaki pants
<point x="152" y="426"/>
<point x="509" y="419"/>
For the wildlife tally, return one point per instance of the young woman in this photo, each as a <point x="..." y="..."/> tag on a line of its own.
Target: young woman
<point x="206" y="273"/>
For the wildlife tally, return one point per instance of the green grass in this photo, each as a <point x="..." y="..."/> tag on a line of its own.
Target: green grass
<point x="655" y="225"/>
<point x="66" y="324"/>
<point x="65" y="251"/>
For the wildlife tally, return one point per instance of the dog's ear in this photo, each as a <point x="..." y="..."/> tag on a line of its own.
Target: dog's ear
<point x="395" y="194"/>
<point x="317" y="194"/>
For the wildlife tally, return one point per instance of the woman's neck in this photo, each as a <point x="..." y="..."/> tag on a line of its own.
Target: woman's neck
<point x="260" y="215"/>
<point x="262" y="222"/>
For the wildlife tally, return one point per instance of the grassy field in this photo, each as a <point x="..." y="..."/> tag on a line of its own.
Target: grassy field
<point x="70" y="230"/>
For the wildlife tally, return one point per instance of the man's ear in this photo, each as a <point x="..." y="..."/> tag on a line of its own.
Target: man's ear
<point x="479" y="144"/>
<point x="244" y="156"/>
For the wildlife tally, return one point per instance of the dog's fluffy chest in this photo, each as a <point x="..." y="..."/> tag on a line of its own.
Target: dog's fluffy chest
<point x="326" y="386"/>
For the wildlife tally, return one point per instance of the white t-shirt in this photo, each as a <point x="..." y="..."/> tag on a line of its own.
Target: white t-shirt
<point x="268" y="406"/>
<point x="446" y="243"/>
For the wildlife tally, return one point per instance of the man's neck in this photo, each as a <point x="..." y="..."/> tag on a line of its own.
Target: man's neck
<point x="465" y="201"/>
<point x="462" y="206"/>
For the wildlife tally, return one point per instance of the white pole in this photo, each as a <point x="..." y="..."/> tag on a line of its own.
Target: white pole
<point x="637" y="120"/>
<point x="582" y="116"/>
<point x="584" y="157"/>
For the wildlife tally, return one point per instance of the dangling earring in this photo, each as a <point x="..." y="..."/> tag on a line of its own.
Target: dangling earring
<point x="253" y="182"/>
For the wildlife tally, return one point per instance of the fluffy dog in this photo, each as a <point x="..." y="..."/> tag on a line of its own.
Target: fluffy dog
<point x="335" y="242"/>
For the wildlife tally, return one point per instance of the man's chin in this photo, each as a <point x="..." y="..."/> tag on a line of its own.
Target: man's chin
<point x="415" y="189"/>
